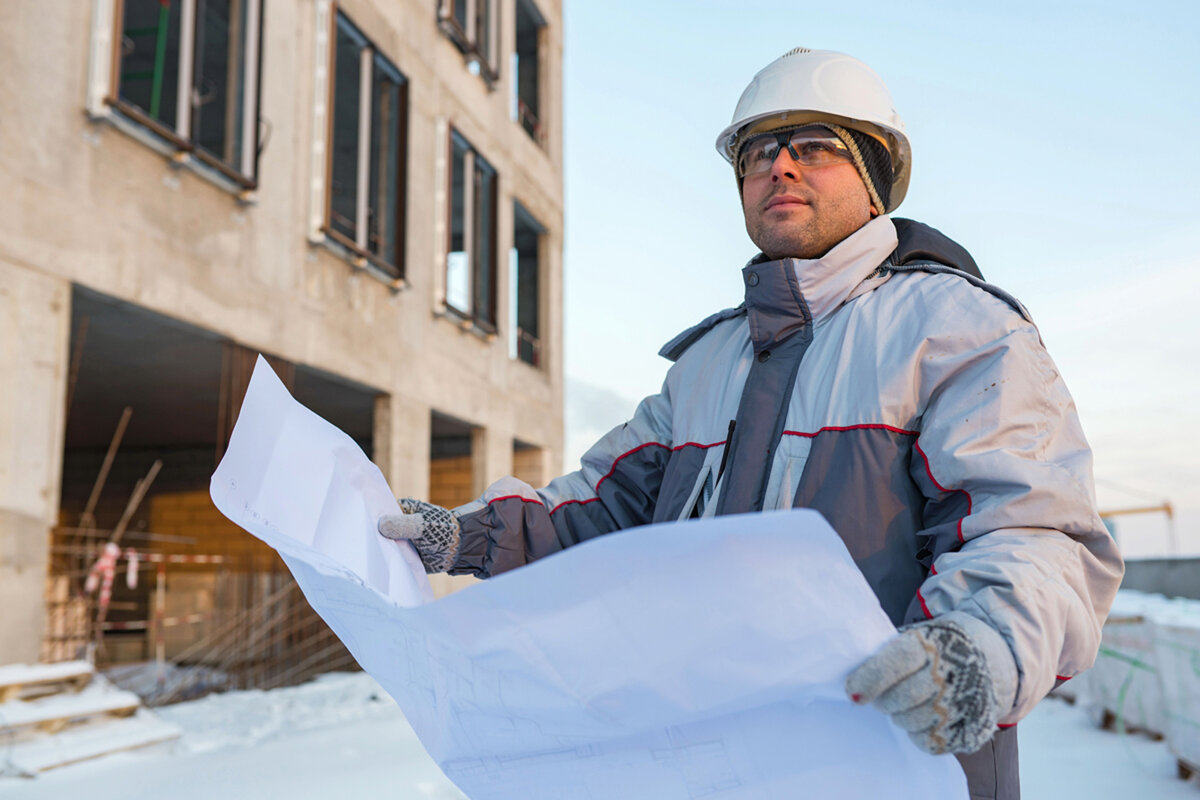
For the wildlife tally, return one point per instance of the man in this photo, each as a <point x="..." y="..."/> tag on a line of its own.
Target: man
<point x="869" y="374"/>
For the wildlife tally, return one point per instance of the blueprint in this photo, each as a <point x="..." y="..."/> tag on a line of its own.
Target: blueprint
<point x="701" y="659"/>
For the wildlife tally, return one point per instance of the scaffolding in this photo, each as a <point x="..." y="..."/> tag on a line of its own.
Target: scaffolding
<point x="222" y="611"/>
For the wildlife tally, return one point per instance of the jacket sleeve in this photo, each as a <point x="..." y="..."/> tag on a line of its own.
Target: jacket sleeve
<point x="1010" y="516"/>
<point x="616" y="487"/>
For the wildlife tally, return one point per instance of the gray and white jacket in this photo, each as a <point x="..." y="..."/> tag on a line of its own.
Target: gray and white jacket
<point x="914" y="405"/>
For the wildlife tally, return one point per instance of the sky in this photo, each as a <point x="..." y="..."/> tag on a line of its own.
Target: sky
<point x="1051" y="139"/>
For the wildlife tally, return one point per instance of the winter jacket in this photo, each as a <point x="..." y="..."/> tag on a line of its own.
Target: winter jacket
<point x="912" y="404"/>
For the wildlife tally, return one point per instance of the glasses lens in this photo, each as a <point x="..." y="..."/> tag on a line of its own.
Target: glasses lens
<point x="758" y="154"/>
<point x="811" y="147"/>
<point x="817" y="149"/>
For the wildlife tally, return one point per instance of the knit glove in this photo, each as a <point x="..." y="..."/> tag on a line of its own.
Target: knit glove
<point x="433" y="530"/>
<point x="946" y="681"/>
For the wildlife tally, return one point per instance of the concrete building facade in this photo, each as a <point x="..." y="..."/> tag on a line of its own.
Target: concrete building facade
<point x="367" y="191"/>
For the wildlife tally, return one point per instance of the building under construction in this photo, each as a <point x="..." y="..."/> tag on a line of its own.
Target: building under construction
<point x="368" y="192"/>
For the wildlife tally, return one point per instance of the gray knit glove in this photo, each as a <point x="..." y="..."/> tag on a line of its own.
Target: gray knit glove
<point x="433" y="530"/>
<point x="946" y="681"/>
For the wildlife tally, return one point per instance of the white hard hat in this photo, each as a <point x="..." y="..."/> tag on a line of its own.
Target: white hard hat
<point x="824" y="86"/>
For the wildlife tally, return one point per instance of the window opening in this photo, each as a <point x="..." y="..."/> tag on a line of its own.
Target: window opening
<point x="527" y="109"/>
<point x="150" y="58"/>
<point x="471" y="26"/>
<point x="451" y="462"/>
<point x="219" y="96"/>
<point x="471" y="255"/>
<point x="529" y="463"/>
<point x="366" y="162"/>
<point x="460" y="14"/>
<point x="183" y="386"/>
<point x="524" y="264"/>
<point x="483" y="30"/>
<point x="188" y="70"/>
<point x="387" y="112"/>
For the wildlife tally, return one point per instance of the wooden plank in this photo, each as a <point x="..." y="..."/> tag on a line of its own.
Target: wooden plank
<point x="56" y="712"/>
<point x="27" y="674"/>
<point x="26" y="680"/>
<point x="91" y="741"/>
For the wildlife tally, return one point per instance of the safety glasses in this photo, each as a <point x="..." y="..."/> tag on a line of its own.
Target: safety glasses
<point x="812" y="147"/>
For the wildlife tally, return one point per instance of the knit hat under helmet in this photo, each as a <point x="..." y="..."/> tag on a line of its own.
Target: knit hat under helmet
<point x="874" y="165"/>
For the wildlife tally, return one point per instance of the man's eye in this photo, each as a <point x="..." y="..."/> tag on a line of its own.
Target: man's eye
<point x="764" y="153"/>
<point x="814" y="148"/>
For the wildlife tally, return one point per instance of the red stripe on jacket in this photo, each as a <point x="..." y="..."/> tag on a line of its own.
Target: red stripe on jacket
<point x="965" y="493"/>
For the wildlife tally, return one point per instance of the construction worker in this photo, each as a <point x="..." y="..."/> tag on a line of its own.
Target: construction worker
<point x="872" y="375"/>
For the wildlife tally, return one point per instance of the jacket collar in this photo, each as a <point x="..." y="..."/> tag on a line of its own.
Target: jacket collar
<point x="784" y="295"/>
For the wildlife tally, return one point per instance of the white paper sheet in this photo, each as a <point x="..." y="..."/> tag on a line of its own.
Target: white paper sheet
<point x="687" y="660"/>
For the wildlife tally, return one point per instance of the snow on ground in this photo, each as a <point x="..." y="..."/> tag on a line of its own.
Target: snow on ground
<point x="341" y="736"/>
<point x="1064" y="756"/>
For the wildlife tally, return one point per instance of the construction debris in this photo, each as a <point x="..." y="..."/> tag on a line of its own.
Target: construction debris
<point x="58" y="714"/>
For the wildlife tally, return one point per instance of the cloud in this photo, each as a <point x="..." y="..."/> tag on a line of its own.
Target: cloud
<point x="591" y="411"/>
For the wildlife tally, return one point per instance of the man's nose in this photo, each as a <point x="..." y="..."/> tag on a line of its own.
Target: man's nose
<point x="784" y="166"/>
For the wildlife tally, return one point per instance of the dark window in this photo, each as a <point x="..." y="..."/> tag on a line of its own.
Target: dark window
<point x="219" y="101"/>
<point x="525" y="280"/>
<point x="366" y="168"/>
<point x="471" y="256"/>
<point x="483" y="31"/>
<point x="387" y="114"/>
<point x="528" y="105"/>
<point x="347" y="84"/>
<point x="218" y="62"/>
<point x="483" y="261"/>
<point x="149" y="77"/>
<point x="460" y="14"/>
<point x="471" y="25"/>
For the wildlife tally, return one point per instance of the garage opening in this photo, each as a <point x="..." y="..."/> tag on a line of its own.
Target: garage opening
<point x="196" y="603"/>
<point x="451" y="466"/>
<point x="529" y="464"/>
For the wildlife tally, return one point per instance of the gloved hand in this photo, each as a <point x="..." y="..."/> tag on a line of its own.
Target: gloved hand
<point x="433" y="530"/>
<point x="946" y="681"/>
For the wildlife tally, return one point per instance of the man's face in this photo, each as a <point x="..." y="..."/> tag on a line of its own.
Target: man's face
<point x="794" y="211"/>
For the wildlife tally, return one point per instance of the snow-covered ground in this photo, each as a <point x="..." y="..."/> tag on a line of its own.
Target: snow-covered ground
<point x="341" y="736"/>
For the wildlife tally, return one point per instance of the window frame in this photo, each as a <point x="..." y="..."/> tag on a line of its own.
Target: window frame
<point x="369" y="56"/>
<point x="180" y="138"/>
<point x="490" y="324"/>
<point x="485" y="58"/>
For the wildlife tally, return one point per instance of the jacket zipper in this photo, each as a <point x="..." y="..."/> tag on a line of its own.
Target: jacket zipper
<point x="725" y="455"/>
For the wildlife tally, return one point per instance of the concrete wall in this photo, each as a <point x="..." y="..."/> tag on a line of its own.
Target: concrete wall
<point x="87" y="203"/>
<point x="1174" y="577"/>
<point x="34" y="327"/>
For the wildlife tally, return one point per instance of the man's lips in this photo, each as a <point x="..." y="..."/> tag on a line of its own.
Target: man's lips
<point x="785" y="201"/>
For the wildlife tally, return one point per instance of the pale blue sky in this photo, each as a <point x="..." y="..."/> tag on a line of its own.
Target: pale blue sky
<point x="1054" y="140"/>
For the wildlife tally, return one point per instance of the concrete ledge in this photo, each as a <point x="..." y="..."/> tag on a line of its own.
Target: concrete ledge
<point x="1174" y="577"/>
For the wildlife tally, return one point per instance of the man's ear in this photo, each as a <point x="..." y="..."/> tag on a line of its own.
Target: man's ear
<point x="874" y="210"/>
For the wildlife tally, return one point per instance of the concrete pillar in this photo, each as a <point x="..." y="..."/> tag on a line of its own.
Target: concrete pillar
<point x="401" y="444"/>
<point x="35" y="326"/>
<point x="491" y="456"/>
